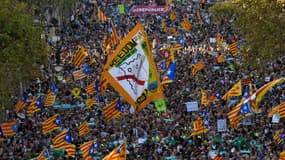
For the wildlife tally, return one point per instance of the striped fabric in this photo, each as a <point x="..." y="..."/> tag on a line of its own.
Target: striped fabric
<point x="88" y="150"/>
<point x="51" y="124"/>
<point x="204" y="100"/>
<point x="198" y="127"/>
<point x="110" y="111"/>
<point x="119" y="153"/>
<point x="186" y="24"/>
<point x="101" y="16"/>
<point x="263" y="90"/>
<point x="77" y="75"/>
<point x="91" y="87"/>
<point x="114" y="36"/>
<point x="58" y="140"/>
<point x="197" y="67"/>
<point x="20" y="104"/>
<point x="234" y="48"/>
<point x="9" y="128"/>
<point x="234" y="91"/>
<point x="83" y="129"/>
<point x="278" y="137"/>
<point x="36" y="105"/>
<point x="44" y="155"/>
<point x="103" y="82"/>
<point x="246" y="81"/>
<point x="70" y="150"/>
<point x="63" y="141"/>
<point x="217" y="157"/>
<point x="279" y="109"/>
<point x="80" y="55"/>
<point x="50" y="98"/>
<point x="90" y="102"/>
<point x="282" y="155"/>
<point x="234" y="115"/>
<point x="32" y="108"/>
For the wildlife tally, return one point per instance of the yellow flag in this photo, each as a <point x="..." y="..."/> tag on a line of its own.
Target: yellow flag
<point x="186" y="24"/>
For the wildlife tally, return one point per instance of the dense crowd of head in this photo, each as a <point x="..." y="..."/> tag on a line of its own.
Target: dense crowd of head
<point x="152" y="135"/>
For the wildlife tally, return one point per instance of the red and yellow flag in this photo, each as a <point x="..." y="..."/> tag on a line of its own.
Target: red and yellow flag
<point x="198" y="127"/>
<point x="204" y="100"/>
<point x="186" y="24"/>
<point x="234" y="91"/>
<point x="83" y="129"/>
<point x="197" y="67"/>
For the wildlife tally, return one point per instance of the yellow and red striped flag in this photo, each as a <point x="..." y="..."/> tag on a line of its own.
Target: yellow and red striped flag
<point x="282" y="155"/>
<point x="83" y="129"/>
<point x="234" y="91"/>
<point x="80" y="55"/>
<point x="51" y="124"/>
<point x="279" y="109"/>
<point x="63" y="141"/>
<point x="44" y="155"/>
<point x="259" y="94"/>
<point x="103" y="82"/>
<point x="119" y="153"/>
<point x="234" y="48"/>
<point x="70" y="150"/>
<point x="198" y="127"/>
<point x="114" y="35"/>
<point x="9" y="128"/>
<point x="91" y="88"/>
<point x="217" y="157"/>
<point x="89" y="149"/>
<point x="186" y="24"/>
<point x="20" y="104"/>
<point x="35" y="105"/>
<point x="204" y="100"/>
<point x="90" y="102"/>
<point x="101" y="16"/>
<point x="197" y="67"/>
<point x="234" y="116"/>
<point x="50" y="98"/>
<point x="79" y="74"/>
<point x="278" y="137"/>
<point x="113" y="110"/>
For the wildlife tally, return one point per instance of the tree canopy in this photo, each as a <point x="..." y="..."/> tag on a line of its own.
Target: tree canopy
<point x="261" y="23"/>
<point x="21" y="48"/>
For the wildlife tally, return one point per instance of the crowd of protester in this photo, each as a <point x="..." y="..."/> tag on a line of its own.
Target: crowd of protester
<point x="151" y="135"/>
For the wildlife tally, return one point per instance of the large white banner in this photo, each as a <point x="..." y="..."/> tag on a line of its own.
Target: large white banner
<point x="131" y="70"/>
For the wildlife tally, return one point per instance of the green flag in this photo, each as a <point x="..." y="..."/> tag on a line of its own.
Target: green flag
<point x="121" y="8"/>
<point x="160" y="105"/>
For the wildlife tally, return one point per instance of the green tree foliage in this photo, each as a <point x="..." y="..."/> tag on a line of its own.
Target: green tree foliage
<point x="261" y="23"/>
<point x="21" y="49"/>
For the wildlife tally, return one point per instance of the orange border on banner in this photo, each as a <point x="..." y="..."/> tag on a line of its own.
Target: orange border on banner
<point x="114" y="83"/>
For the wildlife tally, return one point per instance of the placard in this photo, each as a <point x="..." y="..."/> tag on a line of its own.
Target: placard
<point x="275" y="118"/>
<point x="192" y="106"/>
<point x="222" y="125"/>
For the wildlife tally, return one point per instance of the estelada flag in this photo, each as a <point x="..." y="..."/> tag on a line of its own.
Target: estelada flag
<point x="234" y="91"/>
<point x="80" y="55"/>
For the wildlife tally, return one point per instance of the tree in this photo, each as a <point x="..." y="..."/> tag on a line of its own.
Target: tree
<point x="261" y="23"/>
<point x="21" y="49"/>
